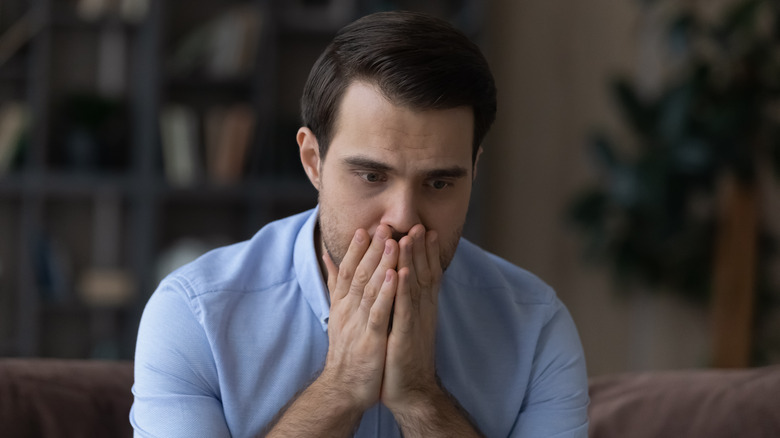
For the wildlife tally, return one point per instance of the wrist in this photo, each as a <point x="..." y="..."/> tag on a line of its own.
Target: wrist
<point x="342" y="394"/>
<point x="320" y="410"/>
<point x="418" y="403"/>
<point x="434" y="413"/>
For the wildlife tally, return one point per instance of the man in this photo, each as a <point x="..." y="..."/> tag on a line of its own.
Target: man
<point x="368" y="315"/>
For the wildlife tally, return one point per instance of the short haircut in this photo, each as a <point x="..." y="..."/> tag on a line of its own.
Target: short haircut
<point x="415" y="60"/>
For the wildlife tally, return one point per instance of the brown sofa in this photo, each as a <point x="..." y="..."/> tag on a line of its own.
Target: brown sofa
<point x="71" y="398"/>
<point x="65" y="398"/>
<point x="691" y="404"/>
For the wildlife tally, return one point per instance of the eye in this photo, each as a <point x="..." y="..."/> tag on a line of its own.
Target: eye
<point x="370" y="177"/>
<point x="439" y="184"/>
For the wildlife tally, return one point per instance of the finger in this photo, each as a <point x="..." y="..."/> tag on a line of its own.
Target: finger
<point x="346" y="270"/>
<point x="433" y="254"/>
<point x="370" y="261"/>
<point x="389" y="261"/>
<point x="402" y="315"/>
<point x="420" y="256"/>
<point x="333" y="272"/>
<point x="434" y="265"/>
<point x="406" y="260"/>
<point x="379" y="316"/>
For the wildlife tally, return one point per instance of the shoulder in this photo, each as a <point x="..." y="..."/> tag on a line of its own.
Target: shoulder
<point x="475" y="268"/>
<point x="261" y="262"/>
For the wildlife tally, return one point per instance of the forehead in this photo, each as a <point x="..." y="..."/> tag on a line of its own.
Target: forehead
<point x="369" y="123"/>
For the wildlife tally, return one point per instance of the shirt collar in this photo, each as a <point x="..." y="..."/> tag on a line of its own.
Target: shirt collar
<point x="307" y="270"/>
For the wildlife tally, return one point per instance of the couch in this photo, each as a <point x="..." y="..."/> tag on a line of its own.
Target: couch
<point x="691" y="404"/>
<point x="76" y="398"/>
<point x="65" y="398"/>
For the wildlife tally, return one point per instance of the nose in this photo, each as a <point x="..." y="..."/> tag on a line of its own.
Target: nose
<point x="401" y="211"/>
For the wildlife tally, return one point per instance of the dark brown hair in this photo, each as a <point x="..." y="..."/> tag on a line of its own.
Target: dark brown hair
<point x="416" y="60"/>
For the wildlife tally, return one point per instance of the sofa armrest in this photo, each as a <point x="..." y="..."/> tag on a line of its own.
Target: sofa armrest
<point x="690" y="403"/>
<point x="65" y="398"/>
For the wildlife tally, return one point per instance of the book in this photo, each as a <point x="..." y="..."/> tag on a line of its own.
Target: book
<point x="52" y="267"/>
<point x="106" y="287"/>
<point x="16" y="36"/>
<point x="223" y="48"/>
<point x="234" y="42"/>
<point x="179" y="131"/>
<point x="214" y="120"/>
<point x="13" y="121"/>
<point x="134" y="11"/>
<point x="229" y="132"/>
<point x="91" y="10"/>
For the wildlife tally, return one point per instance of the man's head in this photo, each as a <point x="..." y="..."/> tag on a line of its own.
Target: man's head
<point x="399" y="103"/>
<point x="415" y="60"/>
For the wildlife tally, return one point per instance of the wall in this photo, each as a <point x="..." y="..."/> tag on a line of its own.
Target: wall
<point x="552" y="60"/>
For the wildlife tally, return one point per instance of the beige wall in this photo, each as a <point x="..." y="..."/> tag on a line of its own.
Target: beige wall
<point x="552" y="60"/>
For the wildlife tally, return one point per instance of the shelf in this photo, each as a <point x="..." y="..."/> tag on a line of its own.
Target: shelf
<point x="12" y="75"/>
<point x="66" y="17"/>
<point x="252" y="190"/>
<point x="64" y="184"/>
<point x="11" y="185"/>
<point x="199" y="82"/>
<point x="127" y="215"/>
<point x="76" y="307"/>
<point x="84" y="185"/>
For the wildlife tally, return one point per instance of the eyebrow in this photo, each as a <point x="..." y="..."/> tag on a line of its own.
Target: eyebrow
<point x="367" y="163"/>
<point x="453" y="172"/>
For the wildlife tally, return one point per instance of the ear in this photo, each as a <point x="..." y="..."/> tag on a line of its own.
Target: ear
<point x="476" y="162"/>
<point x="310" y="155"/>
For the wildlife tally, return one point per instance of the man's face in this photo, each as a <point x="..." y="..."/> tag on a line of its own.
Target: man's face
<point x="391" y="165"/>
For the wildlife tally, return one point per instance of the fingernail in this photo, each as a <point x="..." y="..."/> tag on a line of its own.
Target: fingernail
<point x="388" y="275"/>
<point x="388" y="247"/>
<point x="358" y="237"/>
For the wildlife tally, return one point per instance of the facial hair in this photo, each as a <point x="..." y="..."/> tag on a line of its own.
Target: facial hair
<point x="337" y="245"/>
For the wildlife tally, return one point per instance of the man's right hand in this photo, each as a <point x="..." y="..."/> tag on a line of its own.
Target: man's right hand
<point x="362" y="290"/>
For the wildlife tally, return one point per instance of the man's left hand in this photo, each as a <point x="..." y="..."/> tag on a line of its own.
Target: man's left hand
<point x="410" y="373"/>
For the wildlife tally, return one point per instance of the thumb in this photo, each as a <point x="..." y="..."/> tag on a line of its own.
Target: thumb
<point x="333" y="273"/>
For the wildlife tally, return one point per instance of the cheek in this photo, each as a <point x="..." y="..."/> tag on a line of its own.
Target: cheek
<point x="349" y="209"/>
<point x="446" y="218"/>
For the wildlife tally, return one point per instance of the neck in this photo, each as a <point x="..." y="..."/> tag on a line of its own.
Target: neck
<point x="319" y="249"/>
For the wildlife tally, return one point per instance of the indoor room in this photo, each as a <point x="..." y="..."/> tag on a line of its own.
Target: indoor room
<point x="633" y="170"/>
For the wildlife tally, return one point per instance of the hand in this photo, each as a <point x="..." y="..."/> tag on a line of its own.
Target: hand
<point x="410" y="374"/>
<point x="362" y="291"/>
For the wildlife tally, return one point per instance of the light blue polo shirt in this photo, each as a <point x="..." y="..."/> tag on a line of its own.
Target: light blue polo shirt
<point x="226" y="341"/>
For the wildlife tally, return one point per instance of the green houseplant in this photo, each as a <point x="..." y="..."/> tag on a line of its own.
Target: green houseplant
<point x="659" y="214"/>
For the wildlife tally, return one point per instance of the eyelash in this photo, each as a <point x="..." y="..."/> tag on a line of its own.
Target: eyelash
<point x="381" y="178"/>
<point x="447" y="184"/>
<point x="364" y="176"/>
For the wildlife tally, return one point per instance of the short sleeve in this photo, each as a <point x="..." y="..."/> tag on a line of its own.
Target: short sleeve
<point x="556" y="403"/>
<point x="176" y="385"/>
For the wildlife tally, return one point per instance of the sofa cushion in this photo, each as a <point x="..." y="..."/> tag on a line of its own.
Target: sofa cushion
<point x="691" y="403"/>
<point x="65" y="398"/>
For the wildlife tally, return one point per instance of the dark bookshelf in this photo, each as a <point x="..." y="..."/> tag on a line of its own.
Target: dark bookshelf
<point x="88" y="197"/>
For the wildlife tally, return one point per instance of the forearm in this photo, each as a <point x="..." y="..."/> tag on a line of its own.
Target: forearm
<point x="437" y="414"/>
<point x="318" y="411"/>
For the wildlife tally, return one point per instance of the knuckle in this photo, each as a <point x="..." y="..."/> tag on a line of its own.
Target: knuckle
<point x="424" y="278"/>
<point x="375" y="319"/>
<point x="370" y="293"/>
<point x="355" y="289"/>
<point x="345" y="273"/>
<point x="360" y="277"/>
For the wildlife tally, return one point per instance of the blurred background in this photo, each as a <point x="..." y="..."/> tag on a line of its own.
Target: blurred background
<point x="633" y="165"/>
